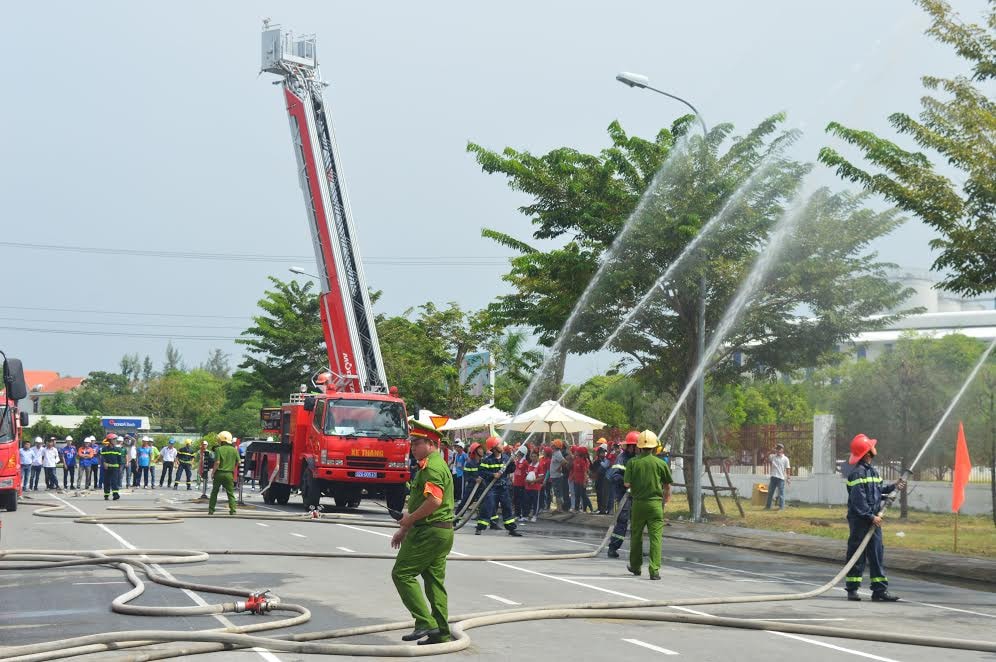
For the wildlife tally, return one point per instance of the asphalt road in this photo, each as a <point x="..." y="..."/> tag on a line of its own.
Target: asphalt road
<point x="44" y="605"/>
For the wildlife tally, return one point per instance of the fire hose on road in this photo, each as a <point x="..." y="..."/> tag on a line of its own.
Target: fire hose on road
<point x="147" y="561"/>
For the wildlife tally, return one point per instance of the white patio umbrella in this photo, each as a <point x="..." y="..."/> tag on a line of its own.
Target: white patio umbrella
<point x="551" y="417"/>
<point x="484" y="417"/>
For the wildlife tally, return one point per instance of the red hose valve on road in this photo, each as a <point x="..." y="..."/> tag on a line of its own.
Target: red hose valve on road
<point x="257" y="603"/>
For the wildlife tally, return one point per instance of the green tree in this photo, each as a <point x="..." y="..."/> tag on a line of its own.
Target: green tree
<point x="826" y="287"/>
<point x="900" y="397"/>
<point x="59" y="404"/>
<point x="514" y="365"/>
<point x="90" y="426"/>
<point x="102" y="393"/>
<point x="44" y="428"/>
<point x="960" y="130"/>
<point x="174" y="360"/>
<point x="285" y="345"/>
<point x="418" y="363"/>
<point x="131" y="367"/>
<point x="217" y="364"/>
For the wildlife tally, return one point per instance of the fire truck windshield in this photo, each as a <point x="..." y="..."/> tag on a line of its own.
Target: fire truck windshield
<point x="6" y="425"/>
<point x="366" y="418"/>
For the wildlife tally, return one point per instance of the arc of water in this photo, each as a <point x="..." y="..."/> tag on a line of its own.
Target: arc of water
<point x="954" y="403"/>
<point x="609" y="258"/>
<point x="759" y="270"/>
<point x="679" y="262"/>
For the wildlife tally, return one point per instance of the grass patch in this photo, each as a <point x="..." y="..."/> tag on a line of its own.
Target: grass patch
<point x="925" y="531"/>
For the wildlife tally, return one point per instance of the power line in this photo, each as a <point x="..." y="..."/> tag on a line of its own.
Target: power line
<point x="401" y="261"/>
<point x="127" y="334"/>
<point x="168" y="325"/>
<point x="244" y="318"/>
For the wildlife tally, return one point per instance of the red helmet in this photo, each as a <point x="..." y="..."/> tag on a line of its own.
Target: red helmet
<point x="548" y="451"/>
<point x="632" y="438"/>
<point x="473" y="448"/>
<point x="860" y="446"/>
<point x="491" y="442"/>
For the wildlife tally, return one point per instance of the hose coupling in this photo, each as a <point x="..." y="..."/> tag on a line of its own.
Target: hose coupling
<point x="256" y="603"/>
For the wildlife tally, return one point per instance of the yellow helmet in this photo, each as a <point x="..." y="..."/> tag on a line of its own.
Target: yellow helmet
<point x="647" y="439"/>
<point x="225" y="437"/>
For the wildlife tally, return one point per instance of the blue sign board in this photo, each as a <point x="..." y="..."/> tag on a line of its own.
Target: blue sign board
<point x="121" y="423"/>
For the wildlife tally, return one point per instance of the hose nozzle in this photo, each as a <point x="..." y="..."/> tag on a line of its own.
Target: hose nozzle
<point x="256" y="603"/>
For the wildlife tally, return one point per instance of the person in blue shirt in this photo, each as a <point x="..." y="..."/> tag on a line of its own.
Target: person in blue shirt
<point x="864" y="503"/>
<point x="69" y="464"/>
<point x="459" y="461"/>
<point x="144" y="462"/>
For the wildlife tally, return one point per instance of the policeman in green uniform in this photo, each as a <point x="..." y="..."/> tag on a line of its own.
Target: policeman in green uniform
<point x="225" y="462"/>
<point x="425" y="538"/>
<point x="648" y="479"/>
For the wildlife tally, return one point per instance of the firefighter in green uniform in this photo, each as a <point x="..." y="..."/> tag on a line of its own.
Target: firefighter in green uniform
<point x="648" y="479"/>
<point x="425" y="539"/>
<point x="225" y="462"/>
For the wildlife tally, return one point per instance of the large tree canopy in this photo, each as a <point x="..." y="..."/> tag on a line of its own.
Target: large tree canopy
<point x="960" y="129"/>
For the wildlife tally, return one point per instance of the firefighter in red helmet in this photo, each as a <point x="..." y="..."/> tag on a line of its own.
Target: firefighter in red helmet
<point x="864" y="502"/>
<point x="615" y="477"/>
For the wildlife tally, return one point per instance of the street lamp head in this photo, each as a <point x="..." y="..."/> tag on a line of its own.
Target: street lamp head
<point x="297" y="270"/>
<point x="633" y="80"/>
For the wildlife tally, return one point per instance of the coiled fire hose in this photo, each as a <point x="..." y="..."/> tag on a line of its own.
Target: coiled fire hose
<point x="206" y="641"/>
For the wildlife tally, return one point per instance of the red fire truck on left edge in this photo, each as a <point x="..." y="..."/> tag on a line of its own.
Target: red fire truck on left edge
<point x="11" y="424"/>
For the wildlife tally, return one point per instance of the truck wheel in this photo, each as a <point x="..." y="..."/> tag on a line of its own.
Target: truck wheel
<point x="269" y="497"/>
<point x="10" y="501"/>
<point x="340" y="502"/>
<point x="353" y="504"/>
<point x="310" y="491"/>
<point x="282" y="495"/>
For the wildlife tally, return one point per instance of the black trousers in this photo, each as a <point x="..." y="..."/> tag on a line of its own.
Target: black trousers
<point x="622" y="520"/>
<point x="51" y="481"/>
<point x="69" y="476"/>
<point x="180" y="470"/>
<point x="874" y="555"/>
<point x="167" y="470"/>
<point x="112" y="480"/>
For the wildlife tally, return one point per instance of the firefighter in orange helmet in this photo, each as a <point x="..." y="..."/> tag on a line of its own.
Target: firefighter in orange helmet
<point x="864" y="502"/>
<point x="494" y="469"/>
<point x="615" y="477"/>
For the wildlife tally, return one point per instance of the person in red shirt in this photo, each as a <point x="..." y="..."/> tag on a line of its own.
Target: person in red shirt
<point x="579" y="479"/>
<point x="534" y="487"/>
<point x="519" y="487"/>
<point x="545" y="459"/>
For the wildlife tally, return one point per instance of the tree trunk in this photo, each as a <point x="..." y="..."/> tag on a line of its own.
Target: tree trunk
<point x="689" y="465"/>
<point x="992" y="451"/>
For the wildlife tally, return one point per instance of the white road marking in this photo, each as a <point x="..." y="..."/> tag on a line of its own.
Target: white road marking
<point x="96" y="583"/>
<point x="568" y="581"/>
<point x="964" y="611"/>
<point x="799" y="581"/>
<point x="265" y="654"/>
<point x="299" y="535"/>
<point x="261" y="524"/>
<point x="578" y="542"/>
<point x="347" y="550"/>
<point x="356" y="528"/>
<point x="504" y="601"/>
<point x="779" y="620"/>
<point x="644" y="644"/>
<point x="831" y="646"/>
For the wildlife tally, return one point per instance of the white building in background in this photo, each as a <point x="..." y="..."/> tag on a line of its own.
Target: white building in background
<point x="944" y="313"/>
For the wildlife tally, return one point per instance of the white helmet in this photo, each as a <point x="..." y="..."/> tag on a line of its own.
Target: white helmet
<point x="38" y="440"/>
<point x="69" y="437"/>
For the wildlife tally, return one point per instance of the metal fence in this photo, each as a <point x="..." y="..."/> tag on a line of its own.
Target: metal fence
<point x="749" y="447"/>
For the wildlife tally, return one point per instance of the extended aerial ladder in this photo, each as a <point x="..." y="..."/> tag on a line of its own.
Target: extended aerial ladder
<point x="347" y="319"/>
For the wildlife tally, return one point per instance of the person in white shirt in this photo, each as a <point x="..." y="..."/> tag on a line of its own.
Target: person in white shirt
<point x="779" y="476"/>
<point x="37" y="454"/>
<point x="26" y="456"/>
<point x="50" y="460"/>
<point x="168" y="456"/>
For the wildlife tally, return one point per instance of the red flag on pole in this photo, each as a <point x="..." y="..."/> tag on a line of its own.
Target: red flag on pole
<point x="963" y="467"/>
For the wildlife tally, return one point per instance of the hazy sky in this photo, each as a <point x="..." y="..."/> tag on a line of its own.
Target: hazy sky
<point x="143" y="126"/>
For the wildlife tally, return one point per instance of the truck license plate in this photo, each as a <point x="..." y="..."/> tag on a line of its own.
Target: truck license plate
<point x="366" y="474"/>
<point x="7" y="482"/>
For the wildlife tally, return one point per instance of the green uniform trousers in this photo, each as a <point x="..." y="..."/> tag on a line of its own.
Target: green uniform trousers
<point x="649" y="514"/>
<point x="423" y="552"/>
<point x="227" y="480"/>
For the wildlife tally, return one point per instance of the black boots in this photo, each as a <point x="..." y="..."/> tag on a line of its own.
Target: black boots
<point x="884" y="596"/>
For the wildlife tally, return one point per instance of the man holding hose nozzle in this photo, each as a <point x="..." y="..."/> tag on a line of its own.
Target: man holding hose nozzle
<point x="864" y="501"/>
<point x="425" y="537"/>
<point x="615" y="476"/>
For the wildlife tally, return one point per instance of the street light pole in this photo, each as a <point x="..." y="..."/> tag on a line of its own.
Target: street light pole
<point x="301" y="272"/>
<point x="642" y="82"/>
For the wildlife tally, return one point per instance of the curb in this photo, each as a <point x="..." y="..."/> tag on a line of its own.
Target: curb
<point x="936" y="564"/>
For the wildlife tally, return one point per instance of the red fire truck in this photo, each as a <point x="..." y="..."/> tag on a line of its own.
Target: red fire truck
<point x="349" y="439"/>
<point x="11" y="423"/>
